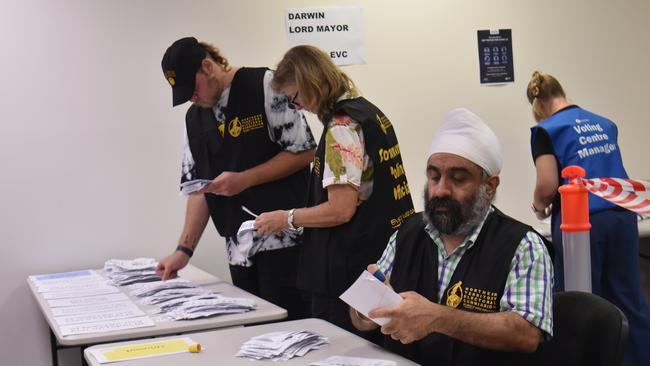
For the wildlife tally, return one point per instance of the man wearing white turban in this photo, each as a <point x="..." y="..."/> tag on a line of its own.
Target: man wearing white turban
<point x="476" y="284"/>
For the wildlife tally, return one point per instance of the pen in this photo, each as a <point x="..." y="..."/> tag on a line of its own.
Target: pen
<point x="380" y="276"/>
<point x="248" y="211"/>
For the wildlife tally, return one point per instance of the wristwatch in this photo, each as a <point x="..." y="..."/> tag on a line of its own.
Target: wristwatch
<point x="290" y="219"/>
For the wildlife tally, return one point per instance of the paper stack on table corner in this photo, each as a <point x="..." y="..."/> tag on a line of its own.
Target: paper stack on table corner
<point x="368" y="293"/>
<point x="285" y="345"/>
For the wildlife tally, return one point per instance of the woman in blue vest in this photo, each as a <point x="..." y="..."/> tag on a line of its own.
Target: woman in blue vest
<point x="569" y="135"/>
<point x="358" y="193"/>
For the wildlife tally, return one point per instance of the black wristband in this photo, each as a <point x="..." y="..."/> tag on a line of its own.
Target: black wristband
<point x="189" y="252"/>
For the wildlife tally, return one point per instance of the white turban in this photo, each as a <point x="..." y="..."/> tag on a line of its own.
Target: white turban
<point x="464" y="134"/>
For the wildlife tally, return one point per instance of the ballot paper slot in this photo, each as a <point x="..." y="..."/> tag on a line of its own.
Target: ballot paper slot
<point x="83" y="302"/>
<point x="126" y="294"/>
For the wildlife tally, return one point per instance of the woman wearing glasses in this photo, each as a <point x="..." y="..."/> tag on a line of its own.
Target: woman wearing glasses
<point x="569" y="135"/>
<point x="358" y="190"/>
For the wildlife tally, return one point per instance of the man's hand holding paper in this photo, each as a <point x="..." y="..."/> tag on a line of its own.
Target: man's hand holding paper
<point x="368" y="293"/>
<point x="411" y="320"/>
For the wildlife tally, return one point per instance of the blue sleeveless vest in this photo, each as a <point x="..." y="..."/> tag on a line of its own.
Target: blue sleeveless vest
<point x="588" y="140"/>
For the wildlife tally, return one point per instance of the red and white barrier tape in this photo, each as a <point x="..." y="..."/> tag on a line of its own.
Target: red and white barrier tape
<point x="621" y="192"/>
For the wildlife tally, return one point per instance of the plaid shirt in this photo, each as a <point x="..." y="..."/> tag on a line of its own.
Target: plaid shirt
<point x="528" y="289"/>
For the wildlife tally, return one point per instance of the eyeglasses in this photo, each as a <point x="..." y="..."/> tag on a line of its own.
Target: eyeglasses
<point x="292" y="102"/>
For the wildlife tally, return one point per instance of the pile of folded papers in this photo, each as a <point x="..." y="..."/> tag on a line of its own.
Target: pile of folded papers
<point x="181" y="300"/>
<point x="129" y="271"/>
<point x="175" y="299"/>
<point x="281" y="345"/>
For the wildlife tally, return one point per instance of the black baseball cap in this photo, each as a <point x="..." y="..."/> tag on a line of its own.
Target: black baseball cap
<point x="179" y="64"/>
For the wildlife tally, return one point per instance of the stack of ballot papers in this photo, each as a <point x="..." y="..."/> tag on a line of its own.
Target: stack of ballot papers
<point x="129" y="271"/>
<point x="200" y="308"/>
<point x="249" y="242"/>
<point x="86" y="302"/>
<point x="192" y="186"/>
<point x="181" y="300"/>
<point x="283" y="346"/>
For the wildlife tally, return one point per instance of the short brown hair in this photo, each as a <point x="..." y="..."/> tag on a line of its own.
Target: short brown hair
<point x="318" y="79"/>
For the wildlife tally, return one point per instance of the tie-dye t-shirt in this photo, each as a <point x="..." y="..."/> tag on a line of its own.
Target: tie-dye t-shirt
<point x="288" y="128"/>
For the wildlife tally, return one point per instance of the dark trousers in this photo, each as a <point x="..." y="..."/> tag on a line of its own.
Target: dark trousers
<point x="614" y="240"/>
<point x="273" y="278"/>
<point x="335" y="311"/>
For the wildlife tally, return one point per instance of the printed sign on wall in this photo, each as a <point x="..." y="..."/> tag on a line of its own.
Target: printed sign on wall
<point x="495" y="56"/>
<point x="336" y="30"/>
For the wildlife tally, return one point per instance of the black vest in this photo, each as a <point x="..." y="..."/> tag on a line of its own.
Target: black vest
<point x="332" y="258"/>
<point x="476" y="285"/>
<point x="241" y="143"/>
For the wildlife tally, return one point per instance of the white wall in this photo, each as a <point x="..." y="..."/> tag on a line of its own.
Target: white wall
<point x="90" y="146"/>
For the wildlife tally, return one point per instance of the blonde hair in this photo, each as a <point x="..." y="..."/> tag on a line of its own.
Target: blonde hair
<point x="318" y="79"/>
<point x="216" y="56"/>
<point x="542" y="88"/>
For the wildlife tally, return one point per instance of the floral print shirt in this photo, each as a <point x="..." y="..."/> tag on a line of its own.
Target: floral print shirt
<point x="346" y="161"/>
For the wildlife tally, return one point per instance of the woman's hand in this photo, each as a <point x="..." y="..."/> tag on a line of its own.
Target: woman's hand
<point x="272" y="222"/>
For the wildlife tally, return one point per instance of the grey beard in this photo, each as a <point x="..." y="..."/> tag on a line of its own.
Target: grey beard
<point x="472" y="213"/>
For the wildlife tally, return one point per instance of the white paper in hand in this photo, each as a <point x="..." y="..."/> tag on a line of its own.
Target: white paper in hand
<point x="192" y="186"/>
<point x="368" y="293"/>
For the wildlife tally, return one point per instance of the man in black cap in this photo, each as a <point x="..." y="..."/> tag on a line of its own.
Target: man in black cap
<point x="244" y="137"/>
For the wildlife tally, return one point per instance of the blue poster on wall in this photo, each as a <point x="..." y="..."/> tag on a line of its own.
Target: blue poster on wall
<point x="495" y="56"/>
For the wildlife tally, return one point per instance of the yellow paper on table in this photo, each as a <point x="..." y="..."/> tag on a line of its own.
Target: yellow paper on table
<point x="142" y="350"/>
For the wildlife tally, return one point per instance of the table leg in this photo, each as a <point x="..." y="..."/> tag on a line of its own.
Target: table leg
<point x="83" y="359"/>
<point x="54" y="348"/>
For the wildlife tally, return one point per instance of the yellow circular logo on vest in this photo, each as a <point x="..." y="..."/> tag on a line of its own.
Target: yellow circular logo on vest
<point x="455" y="295"/>
<point x="171" y="77"/>
<point x="234" y="127"/>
